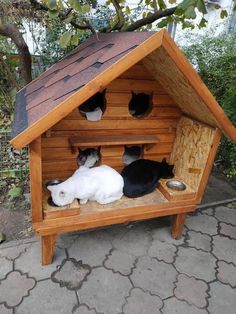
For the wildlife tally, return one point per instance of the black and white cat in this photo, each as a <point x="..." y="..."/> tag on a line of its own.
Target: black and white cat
<point x="141" y="176"/>
<point x="94" y="107"/>
<point x="140" y="104"/>
<point x="131" y="154"/>
<point x="88" y="157"/>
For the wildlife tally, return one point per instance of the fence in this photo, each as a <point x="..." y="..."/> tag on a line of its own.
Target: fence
<point x="13" y="163"/>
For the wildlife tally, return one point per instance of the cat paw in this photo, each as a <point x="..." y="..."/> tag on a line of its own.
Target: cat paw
<point x="84" y="201"/>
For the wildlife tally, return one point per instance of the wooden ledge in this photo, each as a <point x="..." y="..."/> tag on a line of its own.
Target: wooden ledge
<point x="52" y="212"/>
<point x="108" y="140"/>
<point x="173" y="195"/>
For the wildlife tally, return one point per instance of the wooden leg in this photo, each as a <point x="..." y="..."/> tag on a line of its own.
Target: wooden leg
<point x="47" y="247"/>
<point x="178" y="224"/>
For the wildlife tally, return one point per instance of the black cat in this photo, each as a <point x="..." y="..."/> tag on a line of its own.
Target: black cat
<point x="140" y="104"/>
<point x="97" y="100"/>
<point x="88" y="157"/>
<point x="141" y="176"/>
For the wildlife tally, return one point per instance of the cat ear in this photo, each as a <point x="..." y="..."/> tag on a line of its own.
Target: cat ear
<point x="62" y="194"/>
<point x="164" y="161"/>
<point x="51" y="188"/>
<point x="79" y="150"/>
<point x="99" y="148"/>
<point x="133" y="94"/>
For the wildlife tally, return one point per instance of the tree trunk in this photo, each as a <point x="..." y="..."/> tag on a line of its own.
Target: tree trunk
<point x="25" y="62"/>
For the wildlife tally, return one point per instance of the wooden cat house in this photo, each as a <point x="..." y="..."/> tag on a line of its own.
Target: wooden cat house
<point x="184" y="124"/>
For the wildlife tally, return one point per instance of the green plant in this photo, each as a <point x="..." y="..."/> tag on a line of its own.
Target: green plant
<point x="215" y="59"/>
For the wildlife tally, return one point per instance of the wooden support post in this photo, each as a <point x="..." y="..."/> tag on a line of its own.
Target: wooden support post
<point x="178" y="224"/>
<point x="47" y="248"/>
<point x="35" y="163"/>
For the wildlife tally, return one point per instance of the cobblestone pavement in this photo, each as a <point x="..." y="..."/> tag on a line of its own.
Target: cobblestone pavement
<point x="132" y="269"/>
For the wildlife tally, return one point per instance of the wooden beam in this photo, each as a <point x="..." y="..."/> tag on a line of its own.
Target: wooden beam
<point x="209" y="164"/>
<point x="47" y="248"/>
<point x="178" y="224"/>
<point x="35" y="164"/>
<point x="106" y="218"/>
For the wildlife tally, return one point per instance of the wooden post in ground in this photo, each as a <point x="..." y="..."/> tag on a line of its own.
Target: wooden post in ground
<point x="178" y="224"/>
<point x="47" y="247"/>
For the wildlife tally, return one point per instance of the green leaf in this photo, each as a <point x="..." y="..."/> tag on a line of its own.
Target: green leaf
<point x="202" y="23"/>
<point x="186" y="4"/>
<point x="179" y="11"/>
<point x="217" y="6"/>
<point x="190" y="13"/>
<point x="74" y="40"/>
<point x="14" y="192"/>
<point x="163" y="23"/>
<point x="162" y="4"/>
<point x="75" y="4"/>
<point x="234" y="9"/>
<point x="53" y="13"/>
<point x="201" y="6"/>
<point x="65" y="39"/>
<point x="223" y="14"/>
<point x="127" y="10"/>
<point x="52" y="4"/>
<point x="172" y="1"/>
<point x="60" y="5"/>
<point x="85" y="8"/>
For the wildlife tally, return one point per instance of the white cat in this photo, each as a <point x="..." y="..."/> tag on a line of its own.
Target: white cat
<point x="102" y="184"/>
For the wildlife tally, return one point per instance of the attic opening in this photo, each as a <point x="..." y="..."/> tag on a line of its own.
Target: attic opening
<point x="93" y="108"/>
<point x="88" y="157"/>
<point x="140" y="104"/>
<point x="132" y="153"/>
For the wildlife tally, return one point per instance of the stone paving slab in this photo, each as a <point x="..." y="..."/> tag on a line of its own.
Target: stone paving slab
<point x="128" y="269"/>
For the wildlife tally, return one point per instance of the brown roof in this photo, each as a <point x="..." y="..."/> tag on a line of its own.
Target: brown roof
<point x="68" y="75"/>
<point x="98" y="61"/>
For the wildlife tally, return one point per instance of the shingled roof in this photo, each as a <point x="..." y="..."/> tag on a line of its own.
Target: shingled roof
<point x="98" y="61"/>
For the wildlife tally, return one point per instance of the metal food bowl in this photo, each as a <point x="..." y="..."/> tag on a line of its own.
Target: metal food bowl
<point x="176" y="185"/>
<point x="53" y="182"/>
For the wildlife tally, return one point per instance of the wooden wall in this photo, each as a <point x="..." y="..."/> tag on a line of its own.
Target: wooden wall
<point x="59" y="162"/>
<point x="191" y="149"/>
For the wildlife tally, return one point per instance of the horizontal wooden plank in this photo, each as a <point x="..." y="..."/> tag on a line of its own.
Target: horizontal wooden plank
<point x="59" y="165"/>
<point x="59" y="139"/>
<point x="69" y="165"/>
<point x="122" y="112"/>
<point x="115" y="124"/>
<point x="107" y="140"/>
<point x="138" y="71"/>
<point x="136" y="86"/>
<point x="62" y="154"/>
<point x="109" y="217"/>
<point x="124" y="98"/>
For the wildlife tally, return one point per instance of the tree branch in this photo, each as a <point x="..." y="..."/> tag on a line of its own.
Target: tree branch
<point x="39" y="6"/>
<point x="25" y="62"/>
<point x="150" y="19"/>
<point x="120" y="15"/>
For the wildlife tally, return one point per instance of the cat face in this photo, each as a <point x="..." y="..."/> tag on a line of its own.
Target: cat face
<point x="88" y="157"/>
<point x="60" y="197"/>
<point x="166" y="170"/>
<point x="97" y="100"/>
<point x="139" y="104"/>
